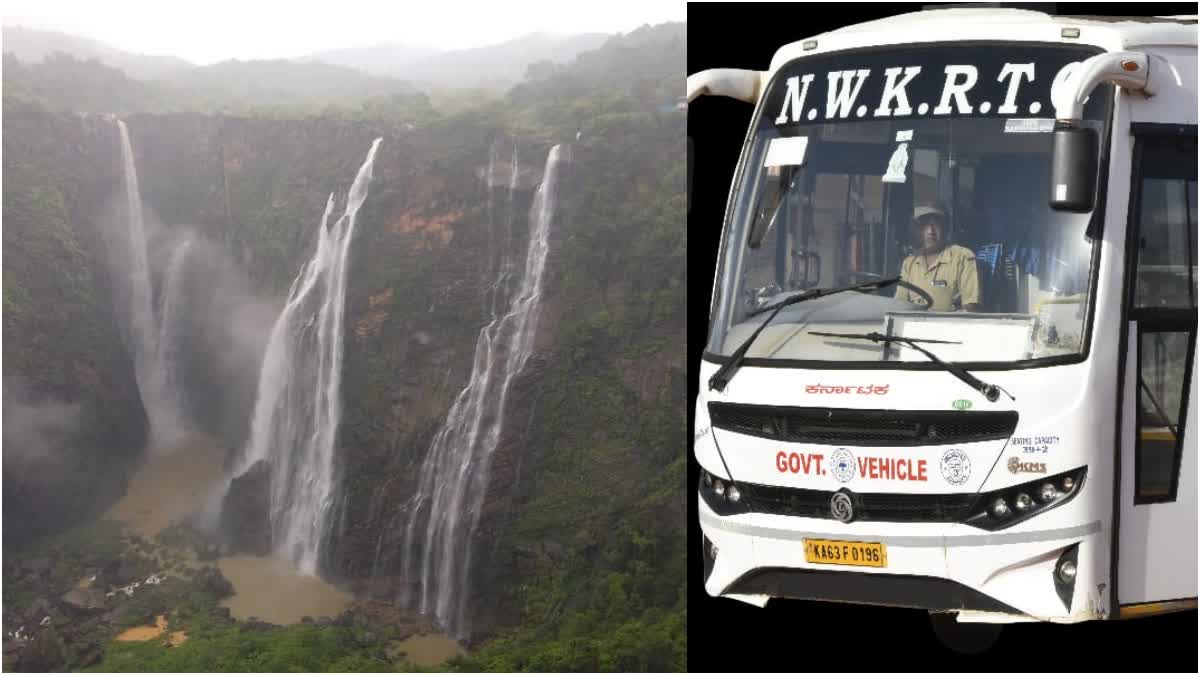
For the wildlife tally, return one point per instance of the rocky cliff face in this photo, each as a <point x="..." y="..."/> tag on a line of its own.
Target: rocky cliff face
<point x="74" y="425"/>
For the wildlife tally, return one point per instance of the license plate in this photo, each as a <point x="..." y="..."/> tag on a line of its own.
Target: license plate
<point x="862" y="554"/>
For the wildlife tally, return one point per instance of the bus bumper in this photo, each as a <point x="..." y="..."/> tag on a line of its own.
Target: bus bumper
<point x="1006" y="576"/>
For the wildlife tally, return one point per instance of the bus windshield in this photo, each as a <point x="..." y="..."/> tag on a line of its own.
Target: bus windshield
<point x="929" y="164"/>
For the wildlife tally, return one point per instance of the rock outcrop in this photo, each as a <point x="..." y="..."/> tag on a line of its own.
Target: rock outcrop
<point x="246" y="511"/>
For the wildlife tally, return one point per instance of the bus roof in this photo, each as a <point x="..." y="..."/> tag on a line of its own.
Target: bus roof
<point x="988" y="23"/>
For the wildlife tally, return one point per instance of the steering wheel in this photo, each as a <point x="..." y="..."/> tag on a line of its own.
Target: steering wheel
<point x="862" y="277"/>
<point x="849" y="278"/>
<point x="919" y="291"/>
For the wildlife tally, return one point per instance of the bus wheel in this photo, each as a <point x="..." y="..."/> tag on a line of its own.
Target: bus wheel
<point x="964" y="638"/>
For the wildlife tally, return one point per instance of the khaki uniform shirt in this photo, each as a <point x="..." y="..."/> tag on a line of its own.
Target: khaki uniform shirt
<point x="952" y="275"/>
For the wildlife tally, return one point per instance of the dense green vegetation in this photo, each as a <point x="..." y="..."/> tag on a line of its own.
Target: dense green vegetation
<point x="626" y="611"/>
<point x="217" y="644"/>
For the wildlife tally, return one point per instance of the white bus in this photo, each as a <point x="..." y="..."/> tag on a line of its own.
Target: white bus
<point x="950" y="361"/>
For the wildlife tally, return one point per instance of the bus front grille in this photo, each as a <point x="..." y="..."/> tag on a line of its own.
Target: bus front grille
<point x="883" y="507"/>
<point x="858" y="427"/>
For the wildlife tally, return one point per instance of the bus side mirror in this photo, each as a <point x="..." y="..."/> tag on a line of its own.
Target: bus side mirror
<point x="1073" y="168"/>
<point x="1076" y="147"/>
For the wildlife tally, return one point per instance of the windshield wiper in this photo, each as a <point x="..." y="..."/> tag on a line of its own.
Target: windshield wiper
<point x="990" y="391"/>
<point x="725" y="372"/>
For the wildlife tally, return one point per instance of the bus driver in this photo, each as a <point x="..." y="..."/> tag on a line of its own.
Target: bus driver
<point x="946" y="272"/>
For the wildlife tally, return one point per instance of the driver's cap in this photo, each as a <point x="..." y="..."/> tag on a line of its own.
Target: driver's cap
<point x="923" y="211"/>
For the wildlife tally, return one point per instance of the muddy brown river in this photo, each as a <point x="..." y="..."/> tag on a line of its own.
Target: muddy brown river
<point x="173" y="482"/>
<point x="275" y="591"/>
<point x="168" y="486"/>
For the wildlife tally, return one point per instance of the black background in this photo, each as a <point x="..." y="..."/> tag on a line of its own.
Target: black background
<point x="726" y="635"/>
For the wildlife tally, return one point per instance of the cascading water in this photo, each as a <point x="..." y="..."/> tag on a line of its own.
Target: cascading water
<point x="454" y="476"/>
<point x="145" y="326"/>
<point x="167" y="369"/>
<point x="298" y="407"/>
<point x="500" y="261"/>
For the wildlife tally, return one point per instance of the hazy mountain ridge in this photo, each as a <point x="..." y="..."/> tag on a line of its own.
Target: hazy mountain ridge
<point x="492" y="67"/>
<point x="280" y="82"/>
<point x="380" y="59"/>
<point x="361" y="71"/>
<point x="65" y="82"/>
<point x="32" y="45"/>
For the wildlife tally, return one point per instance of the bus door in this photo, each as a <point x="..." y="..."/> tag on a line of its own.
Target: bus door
<point x="1157" y="527"/>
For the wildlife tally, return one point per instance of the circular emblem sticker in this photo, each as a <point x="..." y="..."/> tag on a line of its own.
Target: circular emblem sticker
<point x="956" y="467"/>
<point x="843" y="465"/>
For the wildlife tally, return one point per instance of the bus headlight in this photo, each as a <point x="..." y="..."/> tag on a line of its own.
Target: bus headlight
<point x="1047" y="493"/>
<point x="1003" y="508"/>
<point x="721" y="495"/>
<point x="1023" y="502"/>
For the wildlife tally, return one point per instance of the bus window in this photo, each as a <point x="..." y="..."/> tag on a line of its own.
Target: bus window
<point x="1164" y="365"/>
<point x="1166" y="244"/>
<point x="1164" y="307"/>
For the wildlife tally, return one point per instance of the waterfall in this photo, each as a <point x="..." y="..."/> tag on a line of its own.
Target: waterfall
<point x="298" y="406"/>
<point x="145" y="327"/>
<point x="167" y="369"/>
<point x="453" y="479"/>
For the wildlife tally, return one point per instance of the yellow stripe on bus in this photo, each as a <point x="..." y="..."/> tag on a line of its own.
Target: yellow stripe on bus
<point x="1155" y="492"/>
<point x="1149" y="608"/>
<point x="1157" y="435"/>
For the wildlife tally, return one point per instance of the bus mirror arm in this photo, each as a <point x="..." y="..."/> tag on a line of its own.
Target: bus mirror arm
<point x="743" y="85"/>
<point x="1128" y="70"/>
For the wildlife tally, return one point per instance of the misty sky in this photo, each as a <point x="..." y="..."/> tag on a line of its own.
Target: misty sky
<point x="207" y="31"/>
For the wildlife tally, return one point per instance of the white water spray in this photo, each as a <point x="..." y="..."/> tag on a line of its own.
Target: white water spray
<point x="298" y="407"/>
<point x="147" y="328"/>
<point x="454" y="476"/>
<point x="167" y="371"/>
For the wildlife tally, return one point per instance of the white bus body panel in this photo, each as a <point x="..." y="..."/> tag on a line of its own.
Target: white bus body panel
<point x="1013" y="565"/>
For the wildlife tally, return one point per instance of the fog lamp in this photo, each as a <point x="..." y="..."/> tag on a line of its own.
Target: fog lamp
<point x="1023" y="502"/>
<point x="1066" y="571"/>
<point x="1047" y="493"/>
